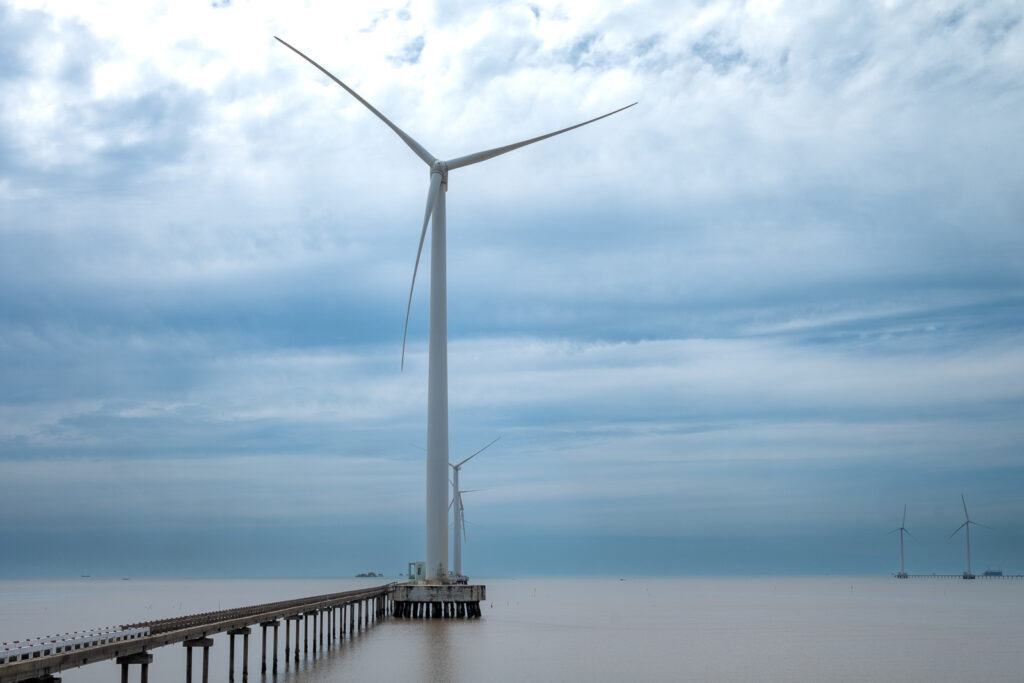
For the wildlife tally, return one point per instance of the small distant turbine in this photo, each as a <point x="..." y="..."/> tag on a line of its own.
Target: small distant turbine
<point x="437" y="352"/>
<point x="462" y="509"/>
<point x="966" y="526"/>
<point x="457" y="508"/>
<point x="903" y="530"/>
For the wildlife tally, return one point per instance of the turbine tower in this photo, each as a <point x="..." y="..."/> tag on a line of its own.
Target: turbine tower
<point x="437" y="382"/>
<point x="966" y="526"/>
<point x="457" y="512"/>
<point x="460" y="521"/>
<point x="902" y="529"/>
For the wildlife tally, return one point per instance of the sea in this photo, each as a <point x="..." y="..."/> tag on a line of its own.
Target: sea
<point x="785" y="629"/>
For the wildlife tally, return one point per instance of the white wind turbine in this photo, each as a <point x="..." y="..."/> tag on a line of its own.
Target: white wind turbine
<point x="966" y="526"/>
<point x="902" y="529"/>
<point x="437" y="382"/>
<point x="458" y="510"/>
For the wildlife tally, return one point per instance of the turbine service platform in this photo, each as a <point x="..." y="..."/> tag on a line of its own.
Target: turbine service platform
<point x="451" y="598"/>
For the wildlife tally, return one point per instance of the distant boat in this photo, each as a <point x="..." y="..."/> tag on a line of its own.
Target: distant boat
<point x="993" y="572"/>
<point x="365" y="575"/>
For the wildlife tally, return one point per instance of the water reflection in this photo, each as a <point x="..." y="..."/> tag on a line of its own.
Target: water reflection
<point x="435" y="643"/>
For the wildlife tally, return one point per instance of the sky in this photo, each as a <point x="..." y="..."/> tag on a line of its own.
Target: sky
<point x="731" y="330"/>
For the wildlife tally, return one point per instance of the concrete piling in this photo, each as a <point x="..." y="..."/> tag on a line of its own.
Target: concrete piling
<point x="244" y="632"/>
<point x="263" y="655"/>
<point x="204" y="643"/>
<point x="276" y="625"/>
<point x="296" y="618"/>
<point x="144" y="659"/>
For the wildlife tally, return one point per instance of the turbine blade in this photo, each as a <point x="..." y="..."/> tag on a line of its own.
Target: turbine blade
<point x="904" y="515"/>
<point x="966" y="516"/>
<point x="908" y="532"/>
<point x="416" y="147"/>
<point x="477" y="157"/>
<point x="435" y="186"/>
<point x="889" y="533"/>
<point x="477" y="453"/>
<point x="957" y="530"/>
<point x="462" y="516"/>
<point x="980" y="524"/>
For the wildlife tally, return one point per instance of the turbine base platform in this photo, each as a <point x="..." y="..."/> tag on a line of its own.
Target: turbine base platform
<point x="438" y="601"/>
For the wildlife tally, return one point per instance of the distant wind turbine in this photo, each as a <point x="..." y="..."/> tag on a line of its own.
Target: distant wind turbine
<point x="437" y="382"/>
<point x="458" y="510"/>
<point x="966" y="526"/>
<point x="902" y="529"/>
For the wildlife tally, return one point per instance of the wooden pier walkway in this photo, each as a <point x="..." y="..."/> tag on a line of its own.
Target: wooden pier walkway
<point x="337" y="614"/>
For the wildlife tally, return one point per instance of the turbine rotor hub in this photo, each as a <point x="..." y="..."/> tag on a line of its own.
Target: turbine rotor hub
<point x="440" y="168"/>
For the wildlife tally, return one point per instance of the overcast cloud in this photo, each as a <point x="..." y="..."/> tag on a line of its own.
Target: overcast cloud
<point x="772" y="303"/>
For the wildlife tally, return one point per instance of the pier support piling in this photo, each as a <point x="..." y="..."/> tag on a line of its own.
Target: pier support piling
<point x="276" y="625"/>
<point x="296" y="618"/>
<point x="142" y="658"/>
<point x="263" y="656"/>
<point x="204" y="643"/>
<point x="244" y="632"/>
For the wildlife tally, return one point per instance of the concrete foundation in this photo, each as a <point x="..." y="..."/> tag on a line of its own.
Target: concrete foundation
<point x="437" y="601"/>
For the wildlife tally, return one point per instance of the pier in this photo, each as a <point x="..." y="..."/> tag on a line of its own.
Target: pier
<point x="41" y="660"/>
<point x="989" y="577"/>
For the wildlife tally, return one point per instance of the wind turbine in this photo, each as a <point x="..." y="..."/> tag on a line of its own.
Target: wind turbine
<point x="437" y="382"/>
<point x="902" y="529"/>
<point x="458" y="509"/>
<point x="460" y="521"/>
<point x="966" y="526"/>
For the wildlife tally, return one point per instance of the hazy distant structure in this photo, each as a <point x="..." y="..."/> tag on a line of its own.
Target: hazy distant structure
<point x="459" y="527"/>
<point x="437" y="383"/>
<point x="966" y="526"/>
<point x="902" y="530"/>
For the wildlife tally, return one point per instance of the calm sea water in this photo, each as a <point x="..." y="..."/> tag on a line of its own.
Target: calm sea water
<point x="639" y="629"/>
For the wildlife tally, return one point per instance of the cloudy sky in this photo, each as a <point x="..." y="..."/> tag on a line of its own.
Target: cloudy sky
<point x="733" y="329"/>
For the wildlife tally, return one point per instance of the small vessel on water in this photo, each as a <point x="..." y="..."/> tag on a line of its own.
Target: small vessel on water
<point x="993" y="572"/>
